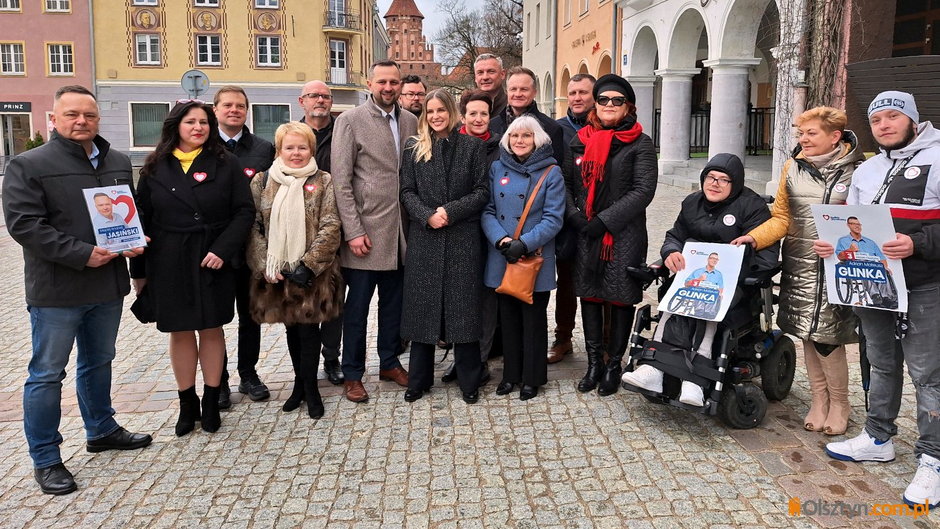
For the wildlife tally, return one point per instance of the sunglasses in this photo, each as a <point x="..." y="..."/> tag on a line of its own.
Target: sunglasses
<point x="187" y="101"/>
<point x="617" y="101"/>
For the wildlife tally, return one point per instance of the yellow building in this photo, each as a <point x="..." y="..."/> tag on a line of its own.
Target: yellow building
<point x="269" y="47"/>
<point x="587" y="42"/>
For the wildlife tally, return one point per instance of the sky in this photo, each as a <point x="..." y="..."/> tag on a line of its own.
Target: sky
<point x="433" y="20"/>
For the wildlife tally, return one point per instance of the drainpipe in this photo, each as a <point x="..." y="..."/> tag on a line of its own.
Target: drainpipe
<point x="615" y="54"/>
<point x="91" y="44"/>
<point x="553" y="17"/>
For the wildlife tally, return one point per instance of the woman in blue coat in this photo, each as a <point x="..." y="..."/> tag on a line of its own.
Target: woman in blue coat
<point x="525" y="155"/>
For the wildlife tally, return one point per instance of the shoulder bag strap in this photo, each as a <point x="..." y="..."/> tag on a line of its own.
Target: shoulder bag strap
<point x="528" y="204"/>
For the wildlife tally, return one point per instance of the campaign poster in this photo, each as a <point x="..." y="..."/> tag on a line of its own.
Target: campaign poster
<point x="705" y="288"/>
<point x="114" y="218"/>
<point x="858" y="273"/>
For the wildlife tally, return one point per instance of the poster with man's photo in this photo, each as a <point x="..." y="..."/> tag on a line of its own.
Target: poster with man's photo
<point x="858" y="273"/>
<point x="704" y="289"/>
<point x="114" y="218"/>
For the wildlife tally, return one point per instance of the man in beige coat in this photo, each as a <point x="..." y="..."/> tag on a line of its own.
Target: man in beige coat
<point x="367" y="145"/>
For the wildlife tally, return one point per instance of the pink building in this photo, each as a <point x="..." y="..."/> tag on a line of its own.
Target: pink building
<point x="44" y="44"/>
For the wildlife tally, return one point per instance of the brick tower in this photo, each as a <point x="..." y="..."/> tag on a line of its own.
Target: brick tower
<point x="409" y="47"/>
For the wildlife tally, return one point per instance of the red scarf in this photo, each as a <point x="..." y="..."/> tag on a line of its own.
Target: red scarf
<point x="463" y="130"/>
<point x="594" y="162"/>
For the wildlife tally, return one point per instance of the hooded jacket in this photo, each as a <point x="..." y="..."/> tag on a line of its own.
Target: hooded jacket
<point x="914" y="196"/>
<point x="805" y="311"/>
<point x="721" y="222"/>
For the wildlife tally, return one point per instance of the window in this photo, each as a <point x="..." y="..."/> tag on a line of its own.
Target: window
<point x="267" y="118"/>
<point x="528" y="29"/>
<point x="61" y="61"/>
<point x="148" y="49"/>
<point x="12" y="59"/>
<point x="338" y="61"/>
<point x="568" y="11"/>
<point x="146" y="122"/>
<point x="9" y="5"/>
<point x="209" y="50"/>
<point x="538" y="22"/>
<point x="206" y="3"/>
<point x="58" y="6"/>
<point x="584" y="6"/>
<point x="269" y="51"/>
<point x="548" y="22"/>
<point x="266" y="4"/>
<point x="144" y="2"/>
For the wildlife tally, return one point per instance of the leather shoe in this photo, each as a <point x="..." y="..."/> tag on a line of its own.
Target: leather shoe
<point x="119" y="439"/>
<point x="412" y="395"/>
<point x="355" y="391"/>
<point x="254" y="388"/>
<point x="334" y="372"/>
<point x="451" y="374"/>
<point x="225" y="397"/>
<point x="397" y="375"/>
<point x="471" y="398"/>
<point x="504" y="388"/>
<point x="55" y="480"/>
<point x="528" y="392"/>
<point x="558" y="351"/>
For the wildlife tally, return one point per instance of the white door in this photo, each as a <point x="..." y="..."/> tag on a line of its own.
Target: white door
<point x="338" y="61"/>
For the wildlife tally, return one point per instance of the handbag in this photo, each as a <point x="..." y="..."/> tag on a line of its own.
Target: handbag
<point x="143" y="308"/>
<point x="519" y="277"/>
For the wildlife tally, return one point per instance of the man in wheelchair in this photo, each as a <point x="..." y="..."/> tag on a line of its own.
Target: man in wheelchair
<point x="723" y="210"/>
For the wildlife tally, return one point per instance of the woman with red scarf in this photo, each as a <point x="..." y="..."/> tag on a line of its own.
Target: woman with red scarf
<point x="612" y="174"/>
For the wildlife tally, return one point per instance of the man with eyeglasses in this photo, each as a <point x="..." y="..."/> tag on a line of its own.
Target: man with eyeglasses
<point x="413" y="92"/>
<point x="366" y="158"/>
<point x="522" y="88"/>
<point x="255" y="154"/>
<point x="316" y="100"/>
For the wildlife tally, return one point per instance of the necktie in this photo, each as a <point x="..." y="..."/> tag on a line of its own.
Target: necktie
<point x="230" y="144"/>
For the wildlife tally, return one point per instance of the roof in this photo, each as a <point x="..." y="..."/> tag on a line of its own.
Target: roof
<point x="403" y="8"/>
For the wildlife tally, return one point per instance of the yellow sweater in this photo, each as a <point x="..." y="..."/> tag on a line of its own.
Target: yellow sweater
<point x="186" y="158"/>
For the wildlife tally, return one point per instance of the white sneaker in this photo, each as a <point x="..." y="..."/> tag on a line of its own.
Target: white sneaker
<point x="691" y="394"/>
<point x="862" y="448"/>
<point x="925" y="487"/>
<point x="646" y="377"/>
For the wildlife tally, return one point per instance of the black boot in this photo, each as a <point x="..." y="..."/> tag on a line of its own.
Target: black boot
<point x="296" y="396"/>
<point x="189" y="411"/>
<point x="314" y="402"/>
<point x="210" y="409"/>
<point x="621" y="325"/>
<point x="592" y="318"/>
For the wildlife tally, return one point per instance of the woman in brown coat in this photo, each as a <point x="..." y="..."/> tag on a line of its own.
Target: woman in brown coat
<point x="292" y="255"/>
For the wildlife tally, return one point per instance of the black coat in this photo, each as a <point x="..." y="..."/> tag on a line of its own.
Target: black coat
<point x="501" y="121"/>
<point x="631" y="173"/>
<point x="185" y="220"/>
<point x="444" y="267"/>
<point x="254" y="154"/>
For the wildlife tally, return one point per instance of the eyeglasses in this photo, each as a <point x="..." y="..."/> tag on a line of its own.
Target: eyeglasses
<point x="617" y="101"/>
<point x="722" y="182"/>
<point x="312" y="95"/>
<point x="413" y="95"/>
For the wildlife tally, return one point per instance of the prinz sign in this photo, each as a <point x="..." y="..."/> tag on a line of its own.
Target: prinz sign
<point x="6" y="106"/>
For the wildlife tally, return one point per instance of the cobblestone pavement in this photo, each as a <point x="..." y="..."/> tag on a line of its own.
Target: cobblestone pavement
<point x="561" y="460"/>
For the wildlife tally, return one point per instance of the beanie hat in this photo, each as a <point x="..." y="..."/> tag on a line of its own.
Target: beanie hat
<point x="613" y="82"/>
<point x="893" y="99"/>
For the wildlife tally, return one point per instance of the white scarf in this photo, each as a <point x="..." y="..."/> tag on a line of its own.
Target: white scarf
<point x="287" y="232"/>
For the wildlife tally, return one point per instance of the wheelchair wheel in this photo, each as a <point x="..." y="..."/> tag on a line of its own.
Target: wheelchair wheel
<point x="746" y="412"/>
<point x="777" y="369"/>
<point x="844" y="289"/>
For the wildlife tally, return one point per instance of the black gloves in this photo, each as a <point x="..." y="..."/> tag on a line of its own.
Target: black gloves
<point x="513" y="250"/>
<point x="595" y="228"/>
<point x="578" y="221"/>
<point x="301" y="275"/>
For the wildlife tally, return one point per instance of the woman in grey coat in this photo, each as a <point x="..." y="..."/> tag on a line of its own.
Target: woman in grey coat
<point x="443" y="189"/>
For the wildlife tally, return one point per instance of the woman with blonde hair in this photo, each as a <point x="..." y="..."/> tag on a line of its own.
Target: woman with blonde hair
<point x="819" y="172"/>
<point x="443" y="189"/>
<point x="292" y="255"/>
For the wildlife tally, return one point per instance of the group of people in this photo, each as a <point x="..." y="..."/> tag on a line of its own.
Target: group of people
<point x="427" y="199"/>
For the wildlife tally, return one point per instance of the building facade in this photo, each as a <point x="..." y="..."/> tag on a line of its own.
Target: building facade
<point x="539" y="49"/>
<point x="588" y="36"/>
<point x="269" y="47"/>
<point x="409" y="47"/>
<point x="44" y="44"/>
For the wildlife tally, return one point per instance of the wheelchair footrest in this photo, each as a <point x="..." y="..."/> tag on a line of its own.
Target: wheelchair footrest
<point x="680" y="363"/>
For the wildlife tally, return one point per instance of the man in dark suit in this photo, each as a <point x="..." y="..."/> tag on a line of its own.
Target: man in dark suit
<point x="255" y="155"/>
<point x="522" y="88"/>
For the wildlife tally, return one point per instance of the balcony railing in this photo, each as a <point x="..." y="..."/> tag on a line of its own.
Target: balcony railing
<point x="343" y="77"/>
<point x="341" y="20"/>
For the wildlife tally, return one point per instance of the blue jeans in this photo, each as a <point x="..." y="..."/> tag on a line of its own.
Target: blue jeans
<point x="920" y="349"/>
<point x="55" y="329"/>
<point x="360" y="286"/>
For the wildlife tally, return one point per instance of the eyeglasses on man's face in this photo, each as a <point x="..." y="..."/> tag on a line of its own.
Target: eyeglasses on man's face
<point x="716" y="180"/>
<point x="314" y="95"/>
<point x="413" y="95"/>
<point x="616" y="101"/>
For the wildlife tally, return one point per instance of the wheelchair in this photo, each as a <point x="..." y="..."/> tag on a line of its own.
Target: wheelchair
<point x="746" y="347"/>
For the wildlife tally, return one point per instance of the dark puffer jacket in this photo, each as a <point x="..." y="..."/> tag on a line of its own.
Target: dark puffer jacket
<point x="631" y="173"/>
<point x="722" y="222"/>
